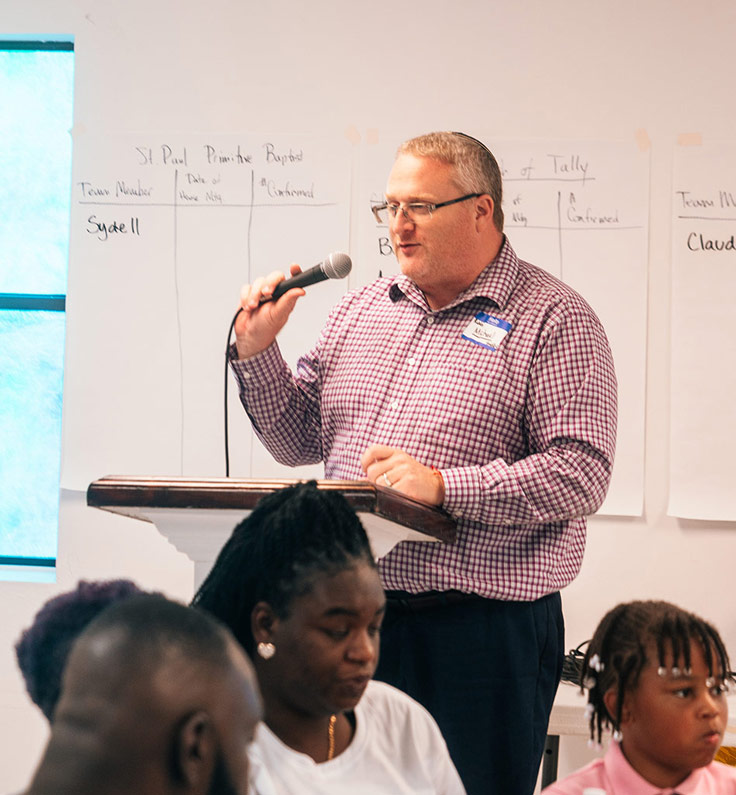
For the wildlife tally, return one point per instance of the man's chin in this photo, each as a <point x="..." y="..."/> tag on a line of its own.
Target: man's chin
<point x="408" y="264"/>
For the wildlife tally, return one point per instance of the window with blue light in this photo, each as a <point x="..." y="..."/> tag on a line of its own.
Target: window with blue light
<point x="36" y="93"/>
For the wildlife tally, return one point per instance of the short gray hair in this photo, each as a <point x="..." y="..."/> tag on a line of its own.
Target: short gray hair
<point x="476" y="169"/>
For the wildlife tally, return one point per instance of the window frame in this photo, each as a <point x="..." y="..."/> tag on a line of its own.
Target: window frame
<point x="44" y="302"/>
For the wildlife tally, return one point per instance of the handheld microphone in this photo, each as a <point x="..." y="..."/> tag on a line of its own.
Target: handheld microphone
<point x="336" y="266"/>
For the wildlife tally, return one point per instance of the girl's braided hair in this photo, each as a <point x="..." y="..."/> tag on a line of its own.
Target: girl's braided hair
<point x="618" y="651"/>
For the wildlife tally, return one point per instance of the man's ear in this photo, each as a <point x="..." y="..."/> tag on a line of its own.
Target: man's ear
<point x="263" y="622"/>
<point x="195" y="752"/>
<point x="483" y="210"/>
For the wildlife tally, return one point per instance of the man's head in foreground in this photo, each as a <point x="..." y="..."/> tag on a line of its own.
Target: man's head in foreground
<point x="156" y="698"/>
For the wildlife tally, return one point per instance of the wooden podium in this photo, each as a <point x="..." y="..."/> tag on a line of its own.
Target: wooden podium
<point x="198" y="515"/>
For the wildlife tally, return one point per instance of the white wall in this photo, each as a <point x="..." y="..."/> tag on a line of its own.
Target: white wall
<point x="535" y="69"/>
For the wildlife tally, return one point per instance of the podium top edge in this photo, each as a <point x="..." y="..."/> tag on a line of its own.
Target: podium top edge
<point x="120" y="494"/>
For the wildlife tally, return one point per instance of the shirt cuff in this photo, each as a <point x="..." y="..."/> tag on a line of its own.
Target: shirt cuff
<point x="257" y="369"/>
<point x="467" y="488"/>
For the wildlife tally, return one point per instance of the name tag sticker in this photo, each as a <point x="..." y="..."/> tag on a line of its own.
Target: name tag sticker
<point x="487" y="331"/>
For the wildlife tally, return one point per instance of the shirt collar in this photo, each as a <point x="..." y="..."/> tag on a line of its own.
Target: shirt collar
<point x="624" y="778"/>
<point x="495" y="282"/>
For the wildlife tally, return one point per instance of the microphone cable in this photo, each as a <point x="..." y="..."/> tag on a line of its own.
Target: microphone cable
<point x="227" y="373"/>
<point x="337" y="266"/>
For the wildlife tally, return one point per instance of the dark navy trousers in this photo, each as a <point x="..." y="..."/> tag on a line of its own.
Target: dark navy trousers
<point x="487" y="670"/>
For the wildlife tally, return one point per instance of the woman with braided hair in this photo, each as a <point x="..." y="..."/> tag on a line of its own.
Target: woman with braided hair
<point x="297" y="585"/>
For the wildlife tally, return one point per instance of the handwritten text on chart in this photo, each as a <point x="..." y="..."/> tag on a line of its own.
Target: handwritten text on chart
<point x="104" y="229"/>
<point x="121" y="189"/>
<point x="560" y="167"/>
<point x="165" y="155"/>
<point x="711" y="208"/>
<point x="167" y="175"/>
<point x="688" y="200"/>
<point x="575" y="211"/>
<point x="697" y="241"/>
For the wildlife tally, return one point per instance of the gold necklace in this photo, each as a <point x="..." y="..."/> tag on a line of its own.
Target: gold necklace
<point x="331" y="737"/>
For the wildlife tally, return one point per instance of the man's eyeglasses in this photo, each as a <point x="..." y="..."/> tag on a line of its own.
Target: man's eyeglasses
<point x="415" y="211"/>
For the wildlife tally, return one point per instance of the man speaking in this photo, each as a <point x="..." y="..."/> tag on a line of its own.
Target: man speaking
<point x="472" y="381"/>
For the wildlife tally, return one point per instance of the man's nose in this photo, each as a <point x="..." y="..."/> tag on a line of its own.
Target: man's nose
<point x="401" y="220"/>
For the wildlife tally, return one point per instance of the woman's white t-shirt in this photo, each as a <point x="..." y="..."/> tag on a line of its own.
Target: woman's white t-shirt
<point x="397" y="748"/>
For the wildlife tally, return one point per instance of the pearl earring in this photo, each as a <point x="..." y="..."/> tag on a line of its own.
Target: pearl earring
<point x="266" y="650"/>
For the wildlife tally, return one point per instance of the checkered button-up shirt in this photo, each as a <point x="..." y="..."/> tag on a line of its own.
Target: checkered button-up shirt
<point x="523" y="434"/>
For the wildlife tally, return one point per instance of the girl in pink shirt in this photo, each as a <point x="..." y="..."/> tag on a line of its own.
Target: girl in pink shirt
<point x="657" y="676"/>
